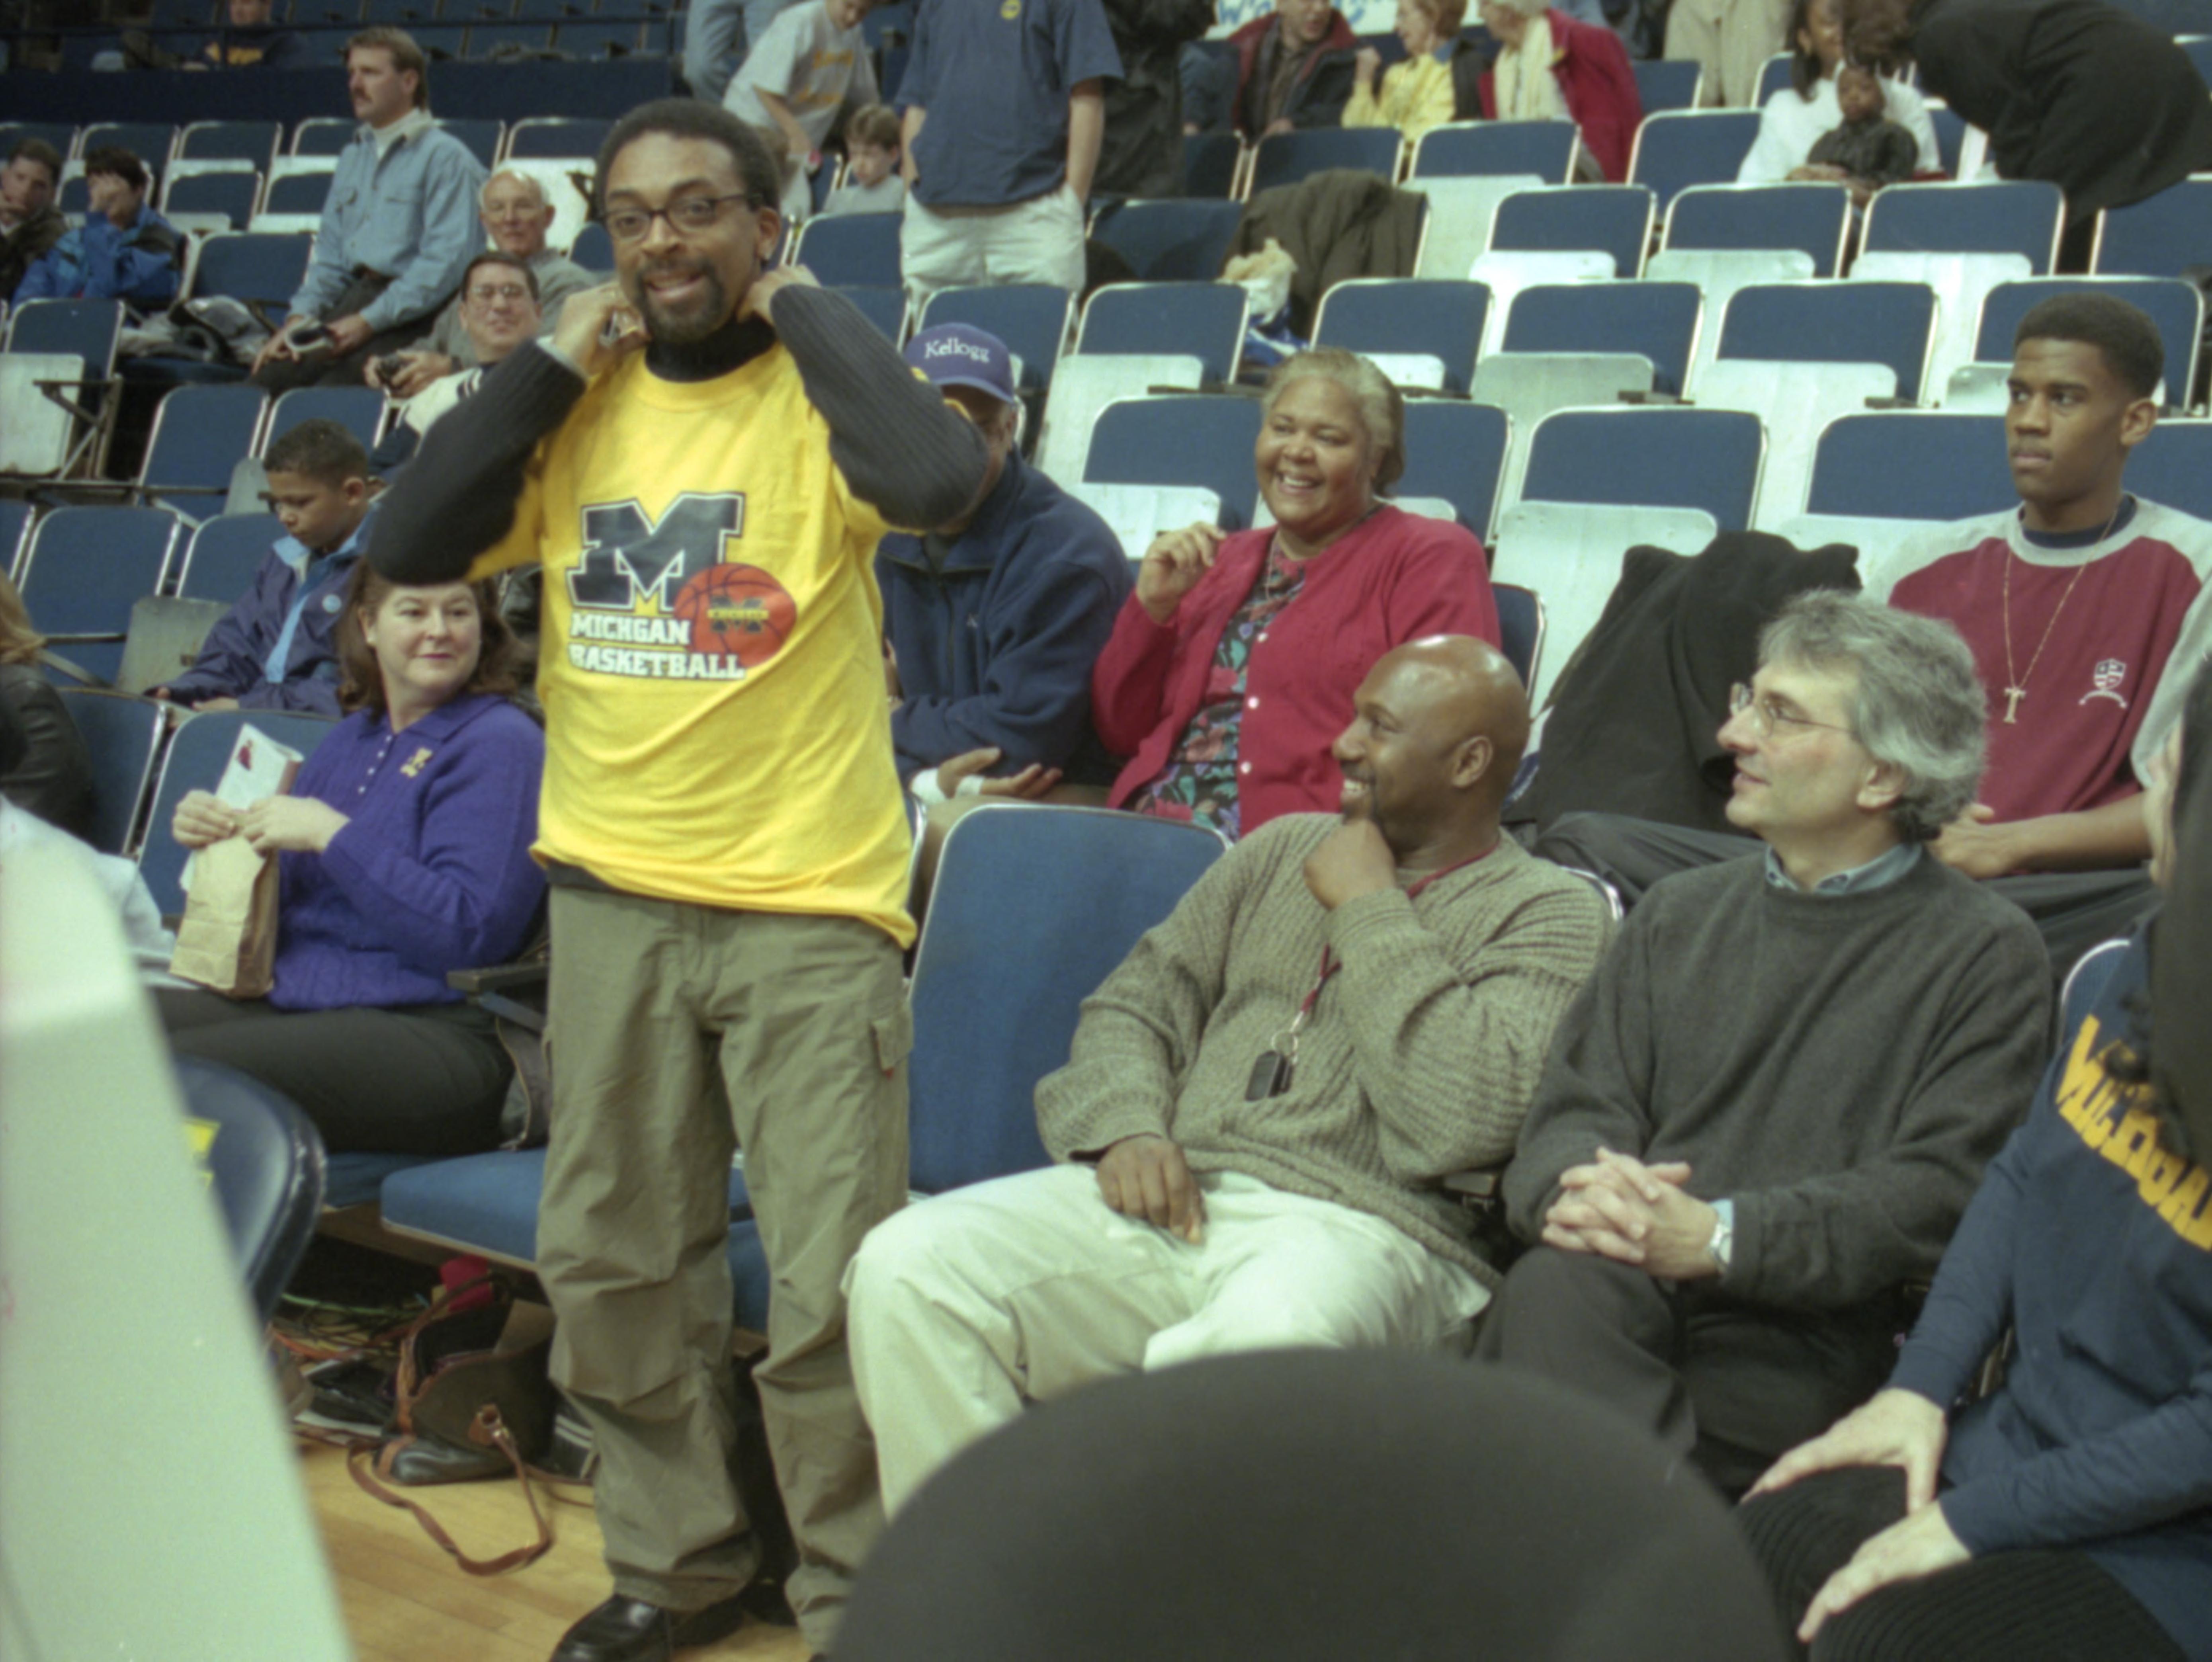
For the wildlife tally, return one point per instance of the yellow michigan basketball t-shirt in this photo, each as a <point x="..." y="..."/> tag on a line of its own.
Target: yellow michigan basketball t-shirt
<point x="711" y="659"/>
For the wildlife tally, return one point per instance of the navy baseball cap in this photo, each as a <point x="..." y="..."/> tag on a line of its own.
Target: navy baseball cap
<point x="953" y="354"/>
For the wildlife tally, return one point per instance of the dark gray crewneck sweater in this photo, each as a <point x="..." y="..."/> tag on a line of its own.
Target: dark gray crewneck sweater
<point x="1843" y="1066"/>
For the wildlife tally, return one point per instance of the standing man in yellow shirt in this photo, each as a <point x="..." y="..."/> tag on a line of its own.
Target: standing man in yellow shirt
<point x="723" y="830"/>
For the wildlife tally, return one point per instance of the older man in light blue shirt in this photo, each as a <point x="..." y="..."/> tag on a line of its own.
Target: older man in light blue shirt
<point x="398" y="231"/>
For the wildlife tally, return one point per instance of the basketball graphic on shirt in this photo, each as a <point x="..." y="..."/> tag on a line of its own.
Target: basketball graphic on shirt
<point x="739" y="611"/>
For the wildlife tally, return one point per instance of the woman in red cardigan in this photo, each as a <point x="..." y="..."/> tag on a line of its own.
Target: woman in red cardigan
<point x="1549" y="67"/>
<point x="1231" y="668"/>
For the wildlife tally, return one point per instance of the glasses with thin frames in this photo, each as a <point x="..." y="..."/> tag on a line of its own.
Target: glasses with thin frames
<point x="687" y="217"/>
<point x="1769" y="717"/>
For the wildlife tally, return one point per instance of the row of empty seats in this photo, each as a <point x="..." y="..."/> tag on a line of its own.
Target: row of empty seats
<point x="260" y="142"/>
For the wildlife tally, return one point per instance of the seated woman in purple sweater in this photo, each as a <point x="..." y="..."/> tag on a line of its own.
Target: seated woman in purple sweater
<point x="2069" y="1513"/>
<point x="405" y="852"/>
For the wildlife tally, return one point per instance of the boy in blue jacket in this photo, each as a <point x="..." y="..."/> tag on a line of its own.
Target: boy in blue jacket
<point x="276" y="649"/>
<point x="995" y="619"/>
<point x="124" y="251"/>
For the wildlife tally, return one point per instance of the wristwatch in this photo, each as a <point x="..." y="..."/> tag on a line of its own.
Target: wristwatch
<point x="1723" y="1241"/>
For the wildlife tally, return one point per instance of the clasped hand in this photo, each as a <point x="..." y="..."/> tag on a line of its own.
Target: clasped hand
<point x="1618" y="1207"/>
<point x="274" y="825"/>
<point x="1146" y="1177"/>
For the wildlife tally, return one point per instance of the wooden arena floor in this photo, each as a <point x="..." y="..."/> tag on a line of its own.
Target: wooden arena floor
<point x="405" y="1601"/>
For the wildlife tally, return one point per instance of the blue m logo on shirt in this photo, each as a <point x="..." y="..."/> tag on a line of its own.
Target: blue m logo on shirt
<point x="627" y="555"/>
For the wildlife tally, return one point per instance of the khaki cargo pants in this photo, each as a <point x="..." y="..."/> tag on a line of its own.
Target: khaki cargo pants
<point x="658" y="1011"/>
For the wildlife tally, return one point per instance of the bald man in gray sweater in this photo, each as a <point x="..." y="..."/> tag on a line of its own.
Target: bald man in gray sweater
<point x="1766" y="1112"/>
<point x="1262" y="1098"/>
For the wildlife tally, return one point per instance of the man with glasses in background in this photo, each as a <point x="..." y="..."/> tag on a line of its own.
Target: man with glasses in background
<point x="1766" y="1114"/>
<point x="516" y="217"/>
<point x="702" y="458"/>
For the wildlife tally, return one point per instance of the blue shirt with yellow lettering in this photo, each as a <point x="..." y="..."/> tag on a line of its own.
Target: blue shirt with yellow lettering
<point x="2092" y="1236"/>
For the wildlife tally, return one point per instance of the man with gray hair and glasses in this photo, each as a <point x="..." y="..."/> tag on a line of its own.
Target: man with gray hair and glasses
<point x="1766" y="1114"/>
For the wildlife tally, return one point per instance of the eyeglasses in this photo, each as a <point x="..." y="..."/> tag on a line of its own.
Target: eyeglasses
<point x="506" y="291"/>
<point x="1767" y="714"/>
<point x="686" y="218"/>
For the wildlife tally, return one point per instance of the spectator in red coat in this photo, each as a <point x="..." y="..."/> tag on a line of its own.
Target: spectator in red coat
<point x="1550" y="68"/>
<point x="1293" y="69"/>
<point x="1231" y="668"/>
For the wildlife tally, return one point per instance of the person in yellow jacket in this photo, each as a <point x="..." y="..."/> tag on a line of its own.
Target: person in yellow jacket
<point x="1417" y="94"/>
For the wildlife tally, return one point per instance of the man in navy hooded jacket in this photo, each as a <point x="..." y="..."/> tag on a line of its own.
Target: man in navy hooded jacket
<point x="995" y="620"/>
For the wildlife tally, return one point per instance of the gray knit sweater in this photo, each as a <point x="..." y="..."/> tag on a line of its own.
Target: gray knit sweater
<point x="1843" y="1066"/>
<point x="1419" y="1059"/>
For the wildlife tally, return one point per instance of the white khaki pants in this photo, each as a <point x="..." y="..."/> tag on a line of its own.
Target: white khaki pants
<point x="967" y="1305"/>
<point x="1040" y="240"/>
<point x="1733" y="39"/>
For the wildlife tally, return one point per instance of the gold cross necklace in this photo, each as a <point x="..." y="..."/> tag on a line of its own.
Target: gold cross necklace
<point x="2016" y="683"/>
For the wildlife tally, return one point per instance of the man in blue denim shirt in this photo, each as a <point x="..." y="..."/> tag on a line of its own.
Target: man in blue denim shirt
<point x="398" y="232"/>
<point x="277" y="648"/>
<point x="124" y="250"/>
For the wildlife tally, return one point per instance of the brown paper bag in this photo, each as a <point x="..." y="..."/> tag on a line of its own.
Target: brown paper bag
<point x="228" y="940"/>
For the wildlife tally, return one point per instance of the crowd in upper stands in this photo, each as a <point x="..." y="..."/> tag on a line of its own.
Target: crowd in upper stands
<point x="1774" y="1161"/>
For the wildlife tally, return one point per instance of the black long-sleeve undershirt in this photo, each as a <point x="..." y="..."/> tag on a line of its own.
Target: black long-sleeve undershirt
<point x="915" y="459"/>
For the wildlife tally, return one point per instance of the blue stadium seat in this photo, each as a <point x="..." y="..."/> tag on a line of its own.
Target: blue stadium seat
<point x="2173" y="466"/>
<point x="983" y="1038"/>
<point x="1657" y="456"/>
<point x="1194" y="439"/>
<point x="1950" y="136"/>
<point x="441" y="42"/>
<point x="226" y="551"/>
<point x="1175" y="240"/>
<point x="233" y="195"/>
<point x="121" y="734"/>
<point x="1287" y="158"/>
<point x="297" y="193"/>
<point x="59" y="134"/>
<point x="241" y="141"/>
<point x="2016" y="217"/>
<point x="323" y="134"/>
<point x="1887" y="323"/>
<point x="2199" y="49"/>
<point x="1441" y="319"/>
<point x="150" y="140"/>
<point x="1677" y="149"/>
<point x="1912" y="464"/>
<point x="80" y="329"/>
<point x="359" y="410"/>
<point x="1545" y="149"/>
<point x="883" y="304"/>
<point x="596" y="37"/>
<point x="1204" y="319"/>
<point x="593" y="249"/>
<point x="2176" y="307"/>
<point x="1520" y="628"/>
<point x="85" y="568"/>
<point x="1808" y="215"/>
<point x="556" y="136"/>
<point x="264" y="1164"/>
<point x="483" y="135"/>
<point x="1456" y="451"/>
<point x="201" y="433"/>
<point x="486" y="39"/>
<point x="850" y="249"/>
<point x="1210" y="161"/>
<point x="1613" y="219"/>
<point x="1658" y="319"/>
<point x="15" y="530"/>
<point x="259" y="268"/>
<point x="2162" y="236"/>
<point x="1031" y="317"/>
<point x="1667" y="84"/>
<point x="197" y="755"/>
<point x="1774" y="78"/>
<point x="485" y="1203"/>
